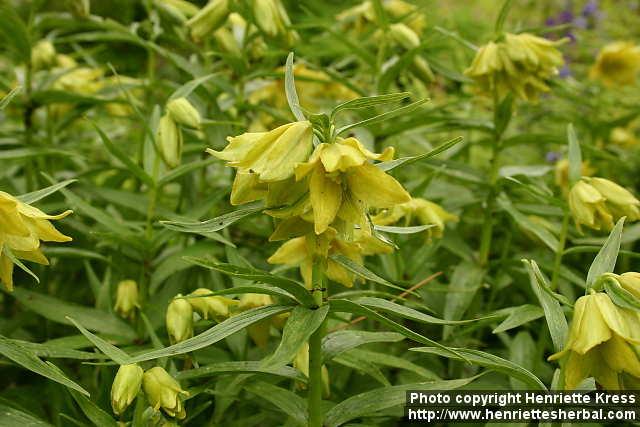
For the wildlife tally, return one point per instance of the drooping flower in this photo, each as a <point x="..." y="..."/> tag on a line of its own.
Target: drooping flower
<point x="303" y="251"/>
<point x="210" y="306"/>
<point x="43" y="54"/>
<point x="22" y="227"/>
<point x="179" y="320"/>
<point x="598" y="203"/>
<point x="125" y="387"/>
<point x="301" y="363"/>
<point x="127" y="298"/>
<point x="617" y="64"/>
<point x="163" y="392"/>
<point x="624" y="137"/>
<point x="344" y="184"/>
<point x="600" y="343"/>
<point x="417" y="210"/>
<point x="258" y="331"/>
<point x="272" y="155"/>
<point x="516" y="63"/>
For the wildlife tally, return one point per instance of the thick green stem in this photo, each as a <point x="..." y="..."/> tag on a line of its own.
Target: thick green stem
<point x="560" y="250"/>
<point x="315" y="357"/>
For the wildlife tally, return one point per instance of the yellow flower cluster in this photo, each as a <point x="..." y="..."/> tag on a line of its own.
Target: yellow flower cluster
<point x="419" y="211"/>
<point x="598" y="203"/>
<point x="322" y="195"/>
<point x="617" y="64"/>
<point x="601" y="342"/>
<point x="516" y="63"/>
<point x="22" y="227"/>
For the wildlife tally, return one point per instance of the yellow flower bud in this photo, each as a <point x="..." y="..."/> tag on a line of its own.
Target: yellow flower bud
<point x="22" y="227"/>
<point x="630" y="282"/>
<point x="127" y="298"/>
<point x="169" y="140"/>
<point x="208" y="19"/>
<point x="561" y="172"/>
<point x="617" y="64"/>
<point x="227" y="42"/>
<point x="272" y="18"/>
<point x="163" y="392"/>
<point x="181" y="8"/>
<point x="600" y="342"/>
<point x="404" y="36"/>
<point x="80" y="8"/>
<point x="179" y="320"/>
<point x="271" y="155"/>
<point x="43" y="54"/>
<point x="125" y="388"/>
<point x="215" y="307"/>
<point x="183" y="113"/>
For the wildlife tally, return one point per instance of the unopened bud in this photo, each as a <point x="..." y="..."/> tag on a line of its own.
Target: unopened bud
<point x="183" y="113"/>
<point x="179" y="320"/>
<point x="127" y="298"/>
<point x="126" y="386"/>
<point x="209" y="19"/>
<point x="169" y="140"/>
<point x="213" y="306"/>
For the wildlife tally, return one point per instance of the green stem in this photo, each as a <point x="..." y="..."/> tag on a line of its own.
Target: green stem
<point x="486" y="234"/>
<point x="315" y="356"/>
<point x="153" y="197"/>
<point x="560" y="250"/>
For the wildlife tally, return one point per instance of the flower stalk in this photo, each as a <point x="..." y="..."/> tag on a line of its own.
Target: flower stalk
<point x="315" y="355"/>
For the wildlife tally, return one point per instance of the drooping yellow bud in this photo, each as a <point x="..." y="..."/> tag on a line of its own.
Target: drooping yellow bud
<point x="600" y="343"/>
<point x="125" y="388"/>
<point x="169" y="139"/>
<point x="208" y="19"/>
<point x="617" y="64"/>
<point x="272" y="18"/>
<point x="211" y="306"/>
<point x="22" y="227"/>
<point x="183" y="113"/>
<point x="561" y="173"/>
<point x="163" y="392"/>
<point x="127" y="298"/>
<point x="179" y="320"/>
<point x="630" y="282"/>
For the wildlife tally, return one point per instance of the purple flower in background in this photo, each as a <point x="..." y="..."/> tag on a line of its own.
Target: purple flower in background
<point x="565" y="17"/>
<point x="590" y="9"/>
<point x="552" y="156"/>
<point x="565" y="71"/>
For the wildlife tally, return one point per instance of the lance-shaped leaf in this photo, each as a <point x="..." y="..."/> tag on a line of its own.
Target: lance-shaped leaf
<point x="341" y="341"/>
<point x="214" y="224"/>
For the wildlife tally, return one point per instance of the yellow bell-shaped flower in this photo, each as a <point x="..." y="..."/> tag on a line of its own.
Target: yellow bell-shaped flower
<point x="344" y="184"/>
<point x="420" y="211"/>
<point x="271" y="155"/>
<point x="598" y="203"/>
<point x="617" y="64"/>
<point x="163" y="392"/>
<point x="22" y="227"/>
<point x="600" y="343"/>
<point x="516" y="63"/>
